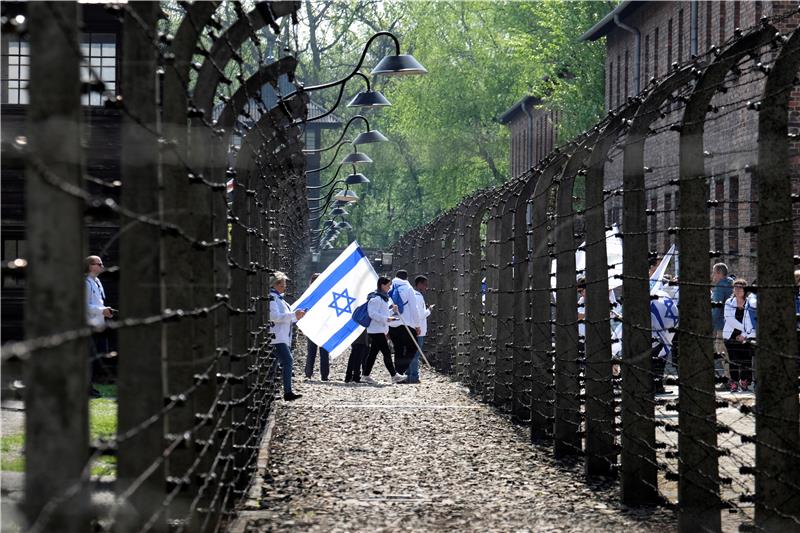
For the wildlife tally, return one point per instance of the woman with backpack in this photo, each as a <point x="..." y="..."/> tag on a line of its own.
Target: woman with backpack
<point x="379" y="309"/>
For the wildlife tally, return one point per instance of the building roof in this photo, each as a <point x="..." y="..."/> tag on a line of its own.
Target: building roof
<point x="315" y="110"/>
<point x="516" y="109"/>
<point x="606" y="24"/>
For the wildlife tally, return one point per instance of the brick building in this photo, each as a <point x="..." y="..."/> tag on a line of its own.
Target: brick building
<point x="533" y="133"/>
<point x="643" y="41"/>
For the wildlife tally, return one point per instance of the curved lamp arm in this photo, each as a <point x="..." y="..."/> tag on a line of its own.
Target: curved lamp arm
<point x="321" y="197"/>
<point x="357" y="67"/>
<point x="321" y="210"/>
<point x="338" y="99"/>
<point x="362" y="117"/>
<point x="320" y="169"/>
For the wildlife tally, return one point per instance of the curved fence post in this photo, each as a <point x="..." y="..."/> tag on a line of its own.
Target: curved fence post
<point x="777" y="410"/>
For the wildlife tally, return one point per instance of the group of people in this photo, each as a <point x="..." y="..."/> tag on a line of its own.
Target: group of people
<point x="397" y="313"/>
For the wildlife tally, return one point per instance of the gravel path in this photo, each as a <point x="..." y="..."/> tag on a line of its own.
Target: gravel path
<point x="421" y="457"/>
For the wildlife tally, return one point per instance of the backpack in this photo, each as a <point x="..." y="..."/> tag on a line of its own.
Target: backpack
<point x="394" y="294"/>
<point x="361" y="315"/>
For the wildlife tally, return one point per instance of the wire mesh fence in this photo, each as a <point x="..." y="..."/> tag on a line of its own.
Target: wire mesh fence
<point x="634" y="377"/>
<point x="196" y="374"/>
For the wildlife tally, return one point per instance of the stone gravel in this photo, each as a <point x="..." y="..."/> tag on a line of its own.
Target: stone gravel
<point x="427" y="457"/>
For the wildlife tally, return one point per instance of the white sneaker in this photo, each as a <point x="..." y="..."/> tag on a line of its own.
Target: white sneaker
<point x="367" y="379"/>
<point x="398" y="378"/>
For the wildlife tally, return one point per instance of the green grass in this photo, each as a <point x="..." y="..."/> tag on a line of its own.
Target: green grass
<point x="102" y="424"/>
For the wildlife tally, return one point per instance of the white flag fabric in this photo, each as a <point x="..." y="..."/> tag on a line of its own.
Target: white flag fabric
<point x="613" y="260"/>
<point x="330" y="301"/>
<point x="657" y="278"/>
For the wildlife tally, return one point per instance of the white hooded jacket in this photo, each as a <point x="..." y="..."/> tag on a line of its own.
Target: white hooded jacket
<point x="410" y="315"/>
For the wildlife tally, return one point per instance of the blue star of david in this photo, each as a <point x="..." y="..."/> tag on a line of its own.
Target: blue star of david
<point x="335" y="304"/>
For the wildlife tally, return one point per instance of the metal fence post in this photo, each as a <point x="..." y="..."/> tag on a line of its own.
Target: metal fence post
<point x="140" y="382"/>
<point x="56" y="403"/>
<point x="778" y="444"/>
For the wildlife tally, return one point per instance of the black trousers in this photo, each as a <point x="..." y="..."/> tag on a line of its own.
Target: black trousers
<point x="378" y="343"/>
<point x="357" y="354"/>
<point x="404" y="348"/>
<point x="741" y="355"/>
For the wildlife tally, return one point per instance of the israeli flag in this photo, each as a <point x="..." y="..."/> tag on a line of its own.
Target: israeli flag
<point x="330" y="301"/>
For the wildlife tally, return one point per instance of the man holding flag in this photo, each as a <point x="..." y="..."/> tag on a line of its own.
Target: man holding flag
<point x="404" y="331"/>
<point x="331" y="299"/>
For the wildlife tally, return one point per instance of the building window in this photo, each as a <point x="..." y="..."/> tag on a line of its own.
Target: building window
<point x="627" y="85"/>
<point x="719" y="211"/>
<point x="708" y="25"/>
<point x="610" y="85"/>
<point x="721" y="22"/>
<point x="100" y="52"/>
<point x="100" y="55"/>
<point x="680" y="35"/>
<point x="646" y="59"/>
<point x="669" y="45"/>
<point x="733" y="215"/>
<point x="619" y="93"/>
<point x="13" y="249"/>
<point x="655" y="53"/>
<point x="653" y="222"/>
<point x="16" y="70"/>
<point x="668" y="218"/>
<point x="759" y="10"/>
<point x="737" y="13"/>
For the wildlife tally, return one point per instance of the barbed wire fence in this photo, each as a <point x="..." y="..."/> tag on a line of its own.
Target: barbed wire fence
<point x="196" y="372"/>
<point x="671" y="166"/>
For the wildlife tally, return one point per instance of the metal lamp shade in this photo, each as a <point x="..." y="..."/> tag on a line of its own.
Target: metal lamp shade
<point x="343" y="226"/>
<point x="339" y="203"/>
<point x="367" y="137"/>
<point x="339" y="212"/>
<point x="399" y="65"/>
<point x="327" y="224"/>
<point x="356" y="179"/>
<point x="356" y="157"/>
<point x="369" y="99"/>
<point x="346" y="196"/>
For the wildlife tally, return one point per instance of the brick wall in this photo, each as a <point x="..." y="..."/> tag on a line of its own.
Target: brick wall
<point x="525" y="153"/>
<point x="730" y="133"/>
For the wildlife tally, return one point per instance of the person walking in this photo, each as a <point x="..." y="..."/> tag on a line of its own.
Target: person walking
<point x="358" y="352"/>
<point x="722" y="290"/>
<point x="282" y="318"/>
<point x="423" y="312"/>
<point x="96" y="313"/>
<point x="739" y="328"/>
<point x="403" y="330"/>
<point x="311" y="354"/>
<point x="378" y="309"/>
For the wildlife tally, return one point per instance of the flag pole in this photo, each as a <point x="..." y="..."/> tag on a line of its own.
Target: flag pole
<point x="414" y="338"/>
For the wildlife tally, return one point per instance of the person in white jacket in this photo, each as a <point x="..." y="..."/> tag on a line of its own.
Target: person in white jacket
<point x="379" y="309"/>
<point x="282" y="318"/>
<point x="96" y="313"/>
<point x="423" y="312"/>
<point x="738" y="329"/>
<point x="404" y="330"/>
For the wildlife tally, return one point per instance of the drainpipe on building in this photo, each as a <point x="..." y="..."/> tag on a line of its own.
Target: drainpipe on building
<point x="693" y="30"/>
<point x="637" y="59"/>
<point x="527" y="112"/>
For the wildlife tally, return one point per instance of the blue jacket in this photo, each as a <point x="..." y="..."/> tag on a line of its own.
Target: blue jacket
<point x="720" y="294"/>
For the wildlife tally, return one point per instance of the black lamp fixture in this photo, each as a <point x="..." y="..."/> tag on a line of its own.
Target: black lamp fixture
<point x="369" y="136"/>
<point x="346" y="195"/>
<point x="339" y="212"/>
<point x="356" y="178"/>
<point x="393" y="65"/>
<point x="355" y="158"/>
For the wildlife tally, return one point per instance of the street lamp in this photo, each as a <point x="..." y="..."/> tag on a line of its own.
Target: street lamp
<point x="369" y="136"/>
